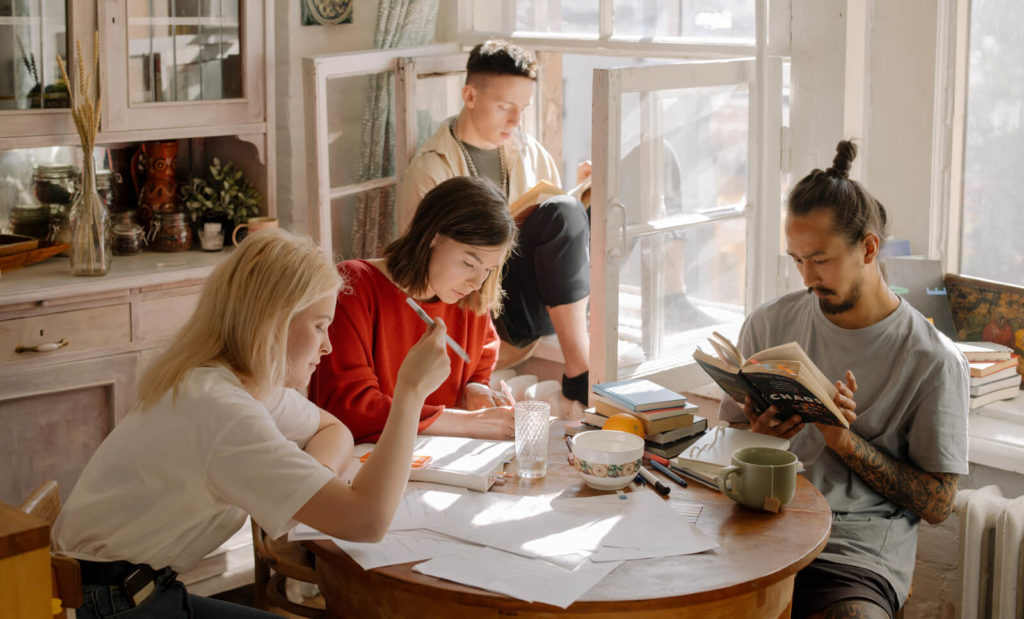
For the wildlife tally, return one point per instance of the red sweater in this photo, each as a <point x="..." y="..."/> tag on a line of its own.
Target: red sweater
<point x="373" y="329"/>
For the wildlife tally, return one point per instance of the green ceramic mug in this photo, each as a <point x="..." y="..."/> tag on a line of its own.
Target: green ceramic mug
<point x="760" y="478"/>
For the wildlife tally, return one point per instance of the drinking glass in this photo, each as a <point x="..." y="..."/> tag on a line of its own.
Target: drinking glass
<point x="532" y="438"/>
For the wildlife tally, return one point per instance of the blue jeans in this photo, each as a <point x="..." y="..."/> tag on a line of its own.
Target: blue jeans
<point x="169" y="600"/>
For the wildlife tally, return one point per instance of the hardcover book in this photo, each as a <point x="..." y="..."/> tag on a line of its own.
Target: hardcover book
<point x="651" y="426"/>
<point x="782" y="376"/>
<point x="639" y="395"/>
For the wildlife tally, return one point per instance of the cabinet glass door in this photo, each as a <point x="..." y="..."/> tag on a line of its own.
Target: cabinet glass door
<point x="32" y="34"/>
<point x="184" y="63"/>
<point x="184" y="50"/>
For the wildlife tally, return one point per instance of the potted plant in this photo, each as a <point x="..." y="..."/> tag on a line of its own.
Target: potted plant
<point x="219" y="203"/>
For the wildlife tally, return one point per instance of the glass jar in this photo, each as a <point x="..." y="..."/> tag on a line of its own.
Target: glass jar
<point x="30" y="220"/>
<point x="171" y="232"/>
<point x="90" y="226"/>
<point x="128" y="239"/>
<point x="54" y="184"/>
<point x="104" y="188"/>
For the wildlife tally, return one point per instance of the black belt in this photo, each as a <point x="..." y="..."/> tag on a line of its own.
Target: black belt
<point x="135" y="580"/>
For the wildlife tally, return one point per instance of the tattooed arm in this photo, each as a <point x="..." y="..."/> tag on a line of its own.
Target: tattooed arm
<point x="929" y="495"/>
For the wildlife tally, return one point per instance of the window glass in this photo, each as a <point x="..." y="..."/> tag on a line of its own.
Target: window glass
<point x="562" y="16"/>
<point x="705" y="20"/>
<point x="993" y="218"/>
<point x="32" y="34"/>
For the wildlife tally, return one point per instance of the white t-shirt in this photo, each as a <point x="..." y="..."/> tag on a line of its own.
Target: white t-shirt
<point x="172" y="483"/>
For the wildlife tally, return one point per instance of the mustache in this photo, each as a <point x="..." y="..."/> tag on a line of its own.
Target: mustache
<point x="820" y="289"/>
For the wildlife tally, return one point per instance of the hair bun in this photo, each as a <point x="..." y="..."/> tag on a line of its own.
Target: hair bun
<point x="846" y="152"/>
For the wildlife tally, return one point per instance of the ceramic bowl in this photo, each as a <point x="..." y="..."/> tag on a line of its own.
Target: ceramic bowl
<point x="607" y="459"/>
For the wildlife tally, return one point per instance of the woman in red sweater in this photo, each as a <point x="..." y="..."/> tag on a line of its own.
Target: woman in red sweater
<point x="449" y="261"/>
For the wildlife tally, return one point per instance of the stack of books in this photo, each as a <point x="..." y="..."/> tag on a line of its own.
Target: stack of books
<point x="668" y="419"/>
<point x="993" y="372"/>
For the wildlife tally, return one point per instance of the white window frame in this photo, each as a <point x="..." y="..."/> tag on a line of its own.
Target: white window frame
<point x="765" y="279"/>
<point x="316" y="72"/>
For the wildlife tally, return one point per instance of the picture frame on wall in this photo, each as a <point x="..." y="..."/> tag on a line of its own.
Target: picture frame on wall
<point x="326" y="12"/>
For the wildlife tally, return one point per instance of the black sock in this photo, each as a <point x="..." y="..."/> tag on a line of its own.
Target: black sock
<point x="577" y="387"/>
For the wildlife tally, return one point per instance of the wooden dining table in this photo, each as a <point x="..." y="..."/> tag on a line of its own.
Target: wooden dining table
<point x="749" y="574"/>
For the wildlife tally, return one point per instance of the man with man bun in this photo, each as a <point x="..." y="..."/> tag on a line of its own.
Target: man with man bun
<point x="902" y="386"/>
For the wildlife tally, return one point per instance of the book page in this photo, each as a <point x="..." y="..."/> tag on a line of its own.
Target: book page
<point x="791" y="351"/>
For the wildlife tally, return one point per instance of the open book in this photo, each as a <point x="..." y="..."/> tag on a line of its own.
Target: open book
<point x="713" y="451"/>
<point x="783" y="376"/>
<point x="465" y="462"/>
<point x="543" y="191"/>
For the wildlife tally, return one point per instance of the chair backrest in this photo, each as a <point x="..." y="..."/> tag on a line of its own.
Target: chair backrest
<point x="44" y="503"/>
<point x="276" y="561"/>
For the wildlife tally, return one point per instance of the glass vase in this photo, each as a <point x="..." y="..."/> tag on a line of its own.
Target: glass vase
<point x="90" y="226"/>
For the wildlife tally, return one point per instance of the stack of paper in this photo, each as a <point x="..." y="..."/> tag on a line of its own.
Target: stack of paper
<point x="538" y="549"/>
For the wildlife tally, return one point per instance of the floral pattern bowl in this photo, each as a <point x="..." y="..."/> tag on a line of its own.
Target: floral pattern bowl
<point x="607" y="459"/>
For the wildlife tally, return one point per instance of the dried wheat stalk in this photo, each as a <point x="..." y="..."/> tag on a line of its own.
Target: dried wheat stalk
<point x="85" y="111"/>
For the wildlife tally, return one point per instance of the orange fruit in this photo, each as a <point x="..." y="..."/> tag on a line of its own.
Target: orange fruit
<point x="624" y="422"/>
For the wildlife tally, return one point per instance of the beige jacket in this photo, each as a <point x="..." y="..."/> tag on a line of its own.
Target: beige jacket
<point x="440" y="159"/>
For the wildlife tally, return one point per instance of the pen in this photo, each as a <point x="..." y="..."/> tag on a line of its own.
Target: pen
<point x="664" y="470"/>
<point x="651" y="480"/>
<point x="451" y="343"/>
<point x="693" y="477"/>
<point x="507" y="392"/>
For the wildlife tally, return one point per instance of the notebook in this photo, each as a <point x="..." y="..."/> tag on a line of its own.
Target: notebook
<point x="714" y="449"/>
<point x="454" y="461"/>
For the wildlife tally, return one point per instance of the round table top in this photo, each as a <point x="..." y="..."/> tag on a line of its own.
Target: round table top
<point x="755" y="549"/>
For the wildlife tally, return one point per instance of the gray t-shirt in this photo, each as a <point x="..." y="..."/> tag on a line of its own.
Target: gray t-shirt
<point x="912" y="404"/>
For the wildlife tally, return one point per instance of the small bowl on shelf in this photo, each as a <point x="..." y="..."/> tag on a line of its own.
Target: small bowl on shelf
<point x="606" y="459"/>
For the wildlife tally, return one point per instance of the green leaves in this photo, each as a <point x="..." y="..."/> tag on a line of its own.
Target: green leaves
<point x="225" y="194"/>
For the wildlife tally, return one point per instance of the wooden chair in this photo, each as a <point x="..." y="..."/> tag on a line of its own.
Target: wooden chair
<point x="286" y="560"/>
<point x="66" y="574"/>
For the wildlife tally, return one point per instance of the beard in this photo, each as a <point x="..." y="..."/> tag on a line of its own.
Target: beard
<point x="844" y="305"/>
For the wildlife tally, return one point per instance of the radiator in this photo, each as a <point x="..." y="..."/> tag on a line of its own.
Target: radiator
<point x="991" y="564"/>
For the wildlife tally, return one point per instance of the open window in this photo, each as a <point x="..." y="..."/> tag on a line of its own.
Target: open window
<point x="678" y="222"/>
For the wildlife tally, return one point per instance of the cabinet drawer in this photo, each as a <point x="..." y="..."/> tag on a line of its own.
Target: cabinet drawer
<point x="84" y="329"/>
<point x="160" y="318"/>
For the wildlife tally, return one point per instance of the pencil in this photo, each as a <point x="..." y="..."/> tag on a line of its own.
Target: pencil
<point x="451" y="343"/>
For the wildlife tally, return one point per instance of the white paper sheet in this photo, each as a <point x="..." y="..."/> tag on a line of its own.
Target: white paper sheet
<point x="516" y="576"/>
<point x="402" y="547"/>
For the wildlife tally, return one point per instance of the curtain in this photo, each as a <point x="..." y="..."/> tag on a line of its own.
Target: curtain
<point x="400" y="23"/>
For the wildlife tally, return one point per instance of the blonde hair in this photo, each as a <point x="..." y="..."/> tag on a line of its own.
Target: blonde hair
<point x="241" y="321"/>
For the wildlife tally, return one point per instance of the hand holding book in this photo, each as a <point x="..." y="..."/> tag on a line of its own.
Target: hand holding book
<point x="782" y="376"/>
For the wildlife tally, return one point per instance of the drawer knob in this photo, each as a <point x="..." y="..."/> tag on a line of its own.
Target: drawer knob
<point x="48" y="347"/>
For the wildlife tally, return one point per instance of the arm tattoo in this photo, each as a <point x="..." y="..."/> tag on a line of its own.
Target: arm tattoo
<point x="929" y="495"/>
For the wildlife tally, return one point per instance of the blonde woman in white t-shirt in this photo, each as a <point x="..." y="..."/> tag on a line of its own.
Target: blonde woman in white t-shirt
<point x="221" y="431"/>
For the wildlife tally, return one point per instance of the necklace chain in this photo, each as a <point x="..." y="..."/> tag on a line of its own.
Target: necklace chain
<point x="472" y="166"/>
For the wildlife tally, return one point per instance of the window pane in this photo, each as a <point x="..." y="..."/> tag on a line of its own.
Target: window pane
<point x="184" y="50"/>
<point x="677" y="287"/>
<point x="562" y="16"/>
<point x="704" y="20"/>
<point x="699" y="165"/>
<point x="438" y="97"/>
<point x="351" y="102"/>
<point x="32" y="33"/>
<point x="993" y="219"/>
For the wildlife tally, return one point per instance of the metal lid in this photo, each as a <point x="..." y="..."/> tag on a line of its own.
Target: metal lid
<point x="53" y="172"/>
<point x="29" y="212"/>
<point x="129" y="230"/>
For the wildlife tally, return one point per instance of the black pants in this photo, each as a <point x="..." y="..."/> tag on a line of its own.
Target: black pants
<point x="550" y="267"/>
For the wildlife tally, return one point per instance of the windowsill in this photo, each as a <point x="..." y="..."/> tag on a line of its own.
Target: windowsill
<point x="996" y="435"/>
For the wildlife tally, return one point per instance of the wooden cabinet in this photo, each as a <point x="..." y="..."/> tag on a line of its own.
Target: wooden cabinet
<point x="57" y="403"/>
<point x="169" y="70"/>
